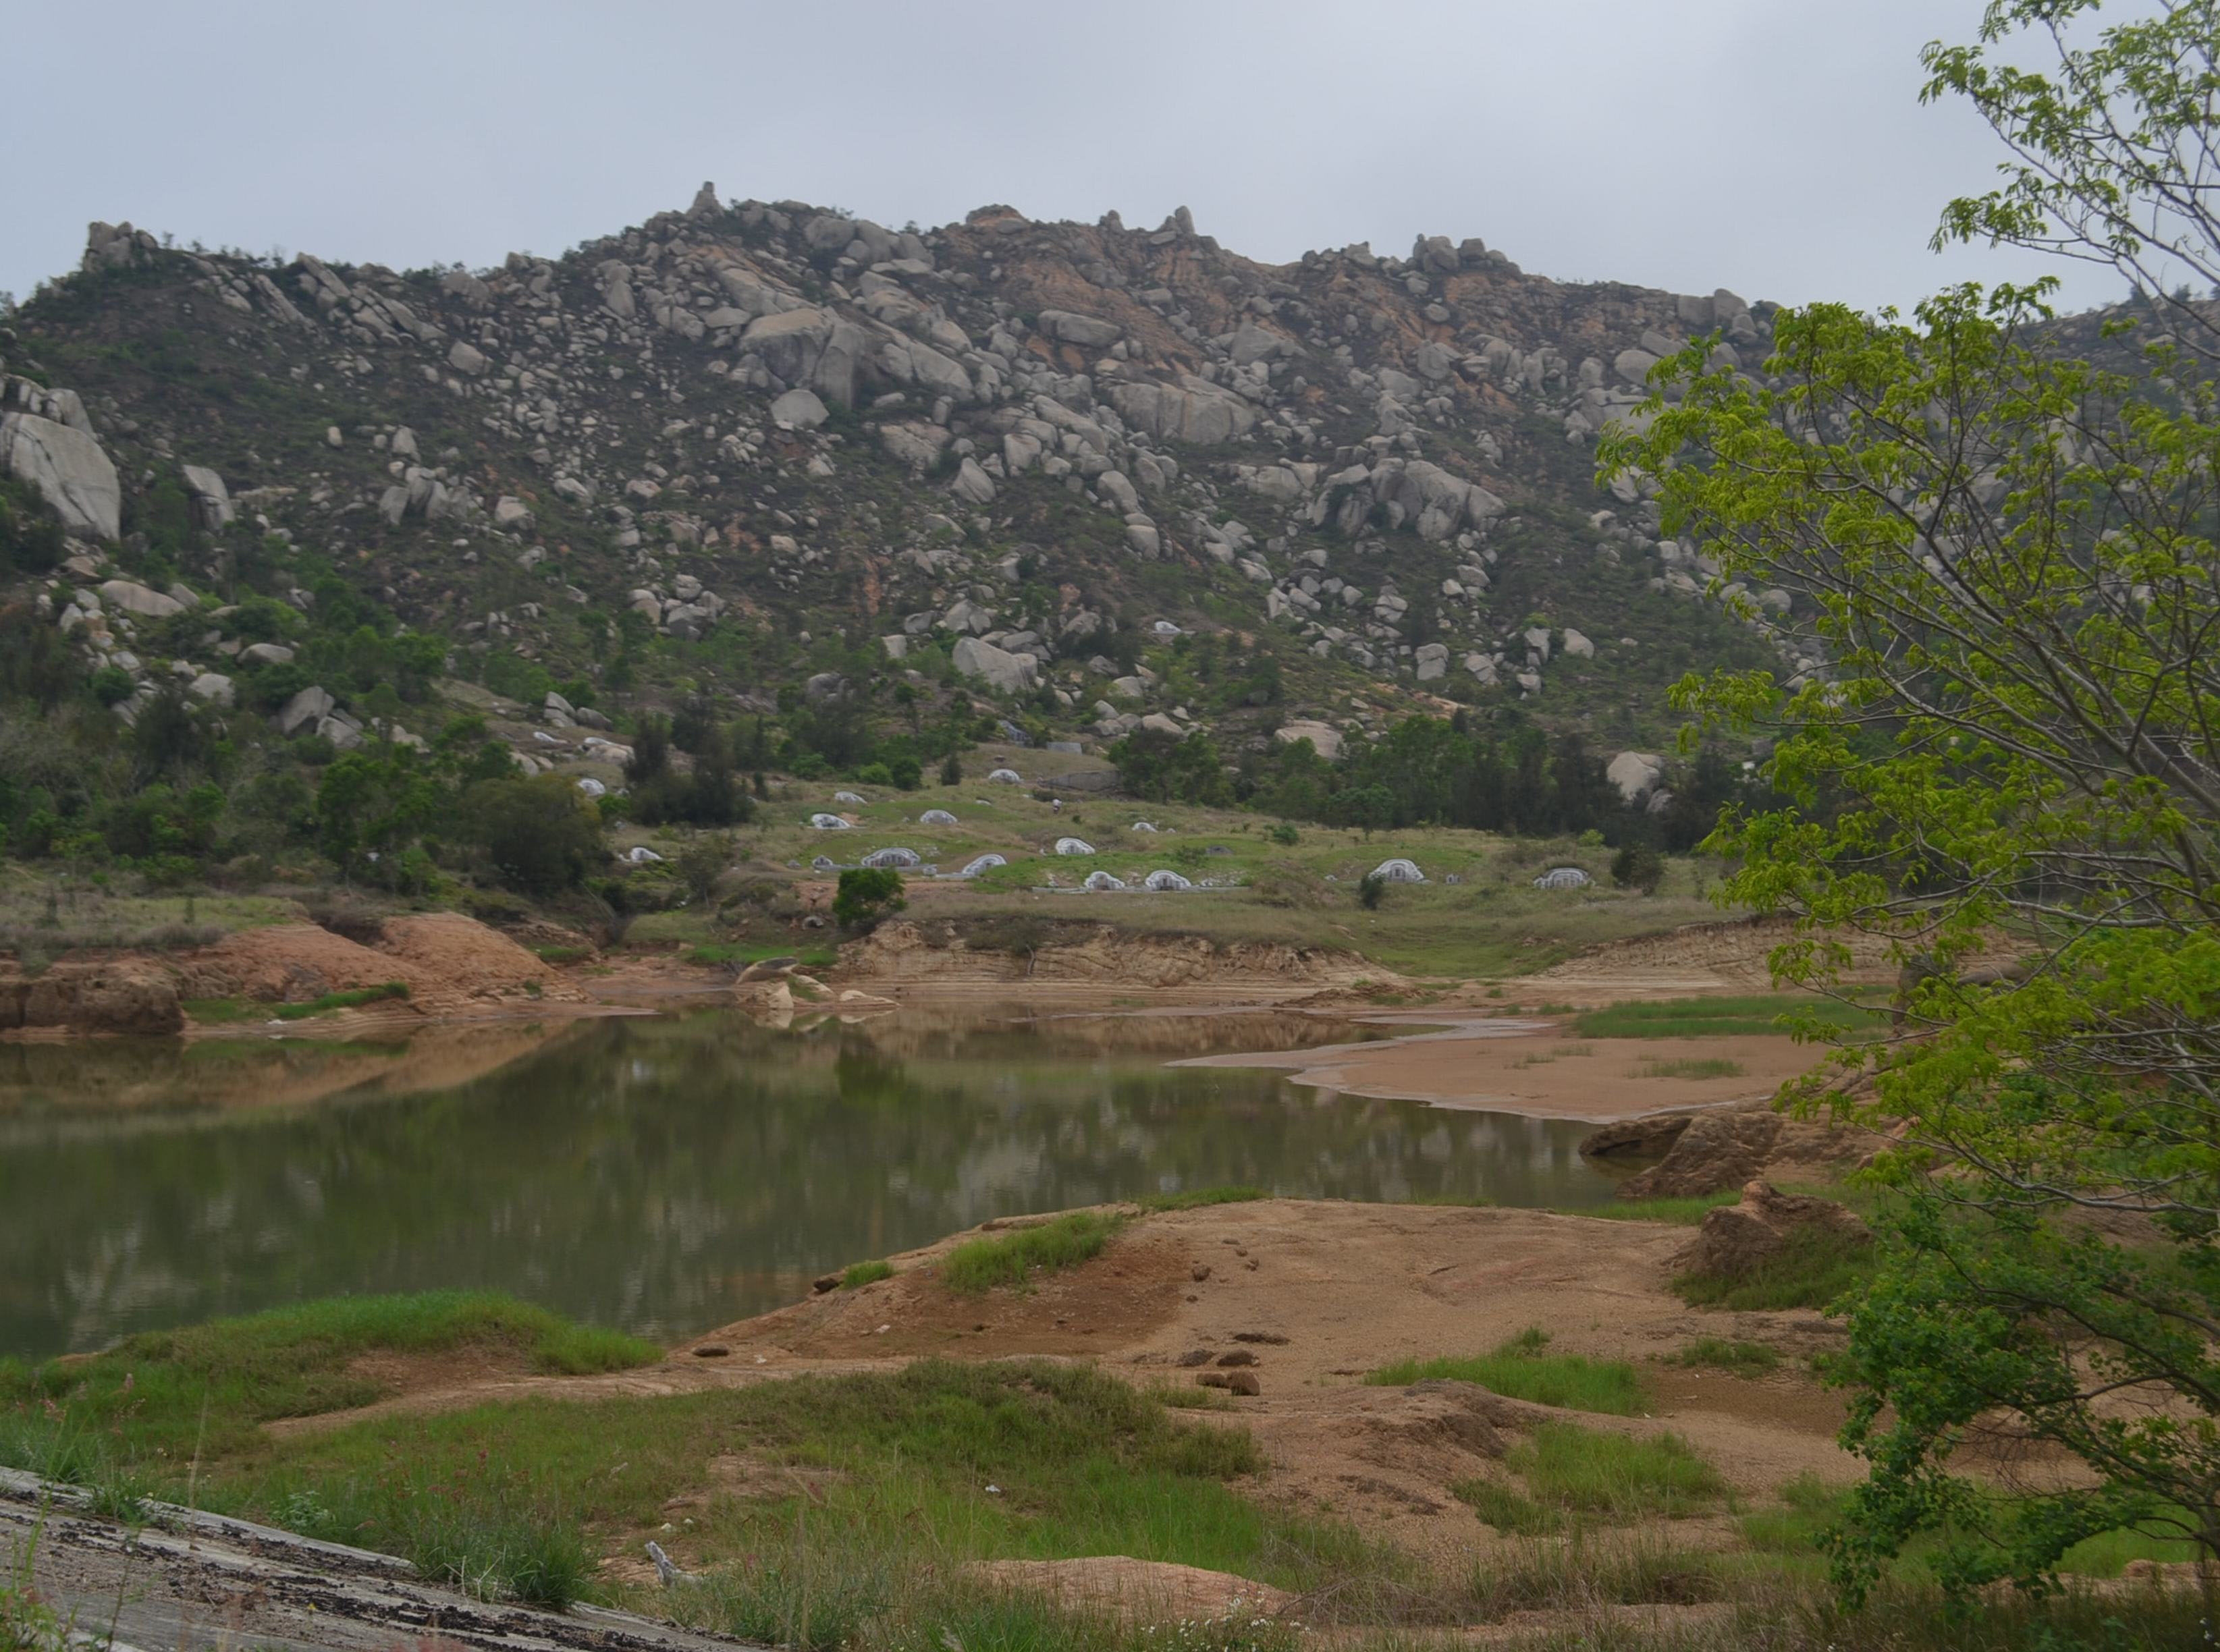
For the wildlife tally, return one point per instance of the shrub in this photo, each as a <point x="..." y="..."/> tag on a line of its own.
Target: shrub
<point x="1011" y="1259"/>
<point x="1520" y="1369"/>
<point x="541" y="834"/>
<point x="866" y="894"/>
<point x="1638" y="866"/>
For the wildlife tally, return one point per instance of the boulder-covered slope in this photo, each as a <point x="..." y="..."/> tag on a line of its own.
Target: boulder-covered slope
<point x="1082" y="476"/>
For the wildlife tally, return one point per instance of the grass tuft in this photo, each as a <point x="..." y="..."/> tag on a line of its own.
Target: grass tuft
<point x="1694" y="1067"/>
<point x="1744" y="1359"/>
<point x="1013" y="1259"/>
<point x="1195" y="1199"/>
<point x="1717" y="1018"/>
<point x="353" y="999"/>
<point x="1521" y="1369"/>
<point x="865" y="1273"/>
<point x="1578" y="1576"/>
<point x="1571" y="1474"/>
<point x="147" y="1397"/>
<point x="1812" y="1269"/>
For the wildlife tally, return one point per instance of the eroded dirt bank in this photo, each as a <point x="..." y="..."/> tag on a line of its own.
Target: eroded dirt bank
<point x="451" y="966"/>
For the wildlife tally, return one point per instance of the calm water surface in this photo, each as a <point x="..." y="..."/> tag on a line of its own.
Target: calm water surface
<point x="665" y="1174"/>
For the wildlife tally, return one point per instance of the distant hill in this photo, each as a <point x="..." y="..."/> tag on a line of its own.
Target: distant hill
<point x="1079" y="475"/>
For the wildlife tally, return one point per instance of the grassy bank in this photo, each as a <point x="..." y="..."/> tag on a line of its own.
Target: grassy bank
<point x="827" y="1512"/>
<point x="155" y="1400"/>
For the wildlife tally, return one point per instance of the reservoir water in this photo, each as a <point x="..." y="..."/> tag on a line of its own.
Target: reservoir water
<point x="663" y="1174"/>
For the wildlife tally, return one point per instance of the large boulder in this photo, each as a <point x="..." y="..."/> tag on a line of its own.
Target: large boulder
<point x="972" y="484"/>
<point x="1324" y="738"/>
<point x="1635" y="773"/>
<point x="1736" y="1240"/>
<point x="1011" y="673"/>
<point x="128" y="597"/>
<point x="305" y="710"/>
<point x="799" y="409"/>
<point x="1194" y="410"/>
<point x="211" y="499"/>
<point x="70" y="469"/>
<point x="810" y="348"/>
<point x="1089" y="332"/>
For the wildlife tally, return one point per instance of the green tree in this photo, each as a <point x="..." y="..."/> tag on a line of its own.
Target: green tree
<point x="866" y="894"/>
<point x="2010" y="563"/>
<point x="1162" y="767"/>
<point x="1638" y="866"/>
<point x="541" y="834"/>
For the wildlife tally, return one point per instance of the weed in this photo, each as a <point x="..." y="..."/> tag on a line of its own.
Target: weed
<point x="532" y="1556"/>
<point x="1812" y="1270"/>
<point x="1713" y="1018"/>
<point x="1695" y="1067"/>
<point x="353" y="999"/>
<point x="1570" y="1471"/>
<point x="1522" y="1370"/>
<point x="28" y="1623"/>
<point x="1580" y="1576"/>
<point x="865" y="1273"/>
<point x="1012" y="1259"/>
<point x="1744" y="1359"/>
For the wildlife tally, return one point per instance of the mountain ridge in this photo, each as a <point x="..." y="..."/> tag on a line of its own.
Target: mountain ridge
<point x="883" y="492"/>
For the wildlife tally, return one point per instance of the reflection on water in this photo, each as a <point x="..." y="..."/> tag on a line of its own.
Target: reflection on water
<point x="665" y="1174"/>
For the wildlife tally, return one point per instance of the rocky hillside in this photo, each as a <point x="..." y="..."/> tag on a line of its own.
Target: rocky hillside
<point x="1081" y="477"/>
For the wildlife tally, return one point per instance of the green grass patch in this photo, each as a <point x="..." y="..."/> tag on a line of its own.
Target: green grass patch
<point x="865" y="1273"/>
<point x="1793" y="1535"/>
<point x="1681" y="1212"/>
<point x="221" y="1012"/>
<point x="1695" y="1067"/>
<point x="1011" y="1260"/>
<point x="1811" y="1270"/>
<point x="1522" y="1369"/>
<point x="1744" y="1359"/>
<point x="1197" y="1198"/>
<point x="940" y="1461"/>
<point x="1719" y="1018"/>
<point x="1572" y="1474"/>
<point x="710" y="954"/>
<point x="352" y="998"/>
<point x="157" y="1398"/>
<point x="562" y="954"/>
<point x="1579" y="1575"/>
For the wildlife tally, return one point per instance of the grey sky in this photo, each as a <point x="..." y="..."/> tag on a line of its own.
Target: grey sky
<point x="1774" y="147"/>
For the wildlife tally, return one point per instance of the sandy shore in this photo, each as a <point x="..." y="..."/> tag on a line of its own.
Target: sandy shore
<point x="1533" y="1068"/>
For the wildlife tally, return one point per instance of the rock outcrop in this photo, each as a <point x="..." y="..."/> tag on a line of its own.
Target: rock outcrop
<point x="1008" y="436"/>
<point x="1736" y="1240"/>
<point x="70" y="469"/>
<point x="1725" y="1147"/>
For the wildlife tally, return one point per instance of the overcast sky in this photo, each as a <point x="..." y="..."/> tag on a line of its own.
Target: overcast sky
<point x="1776" y="147"/>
